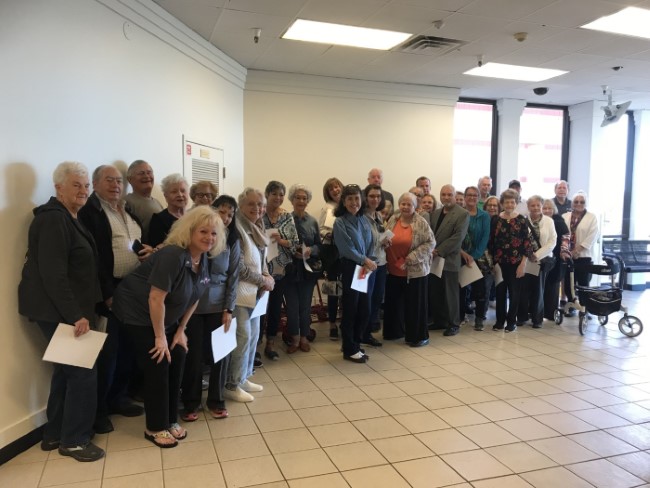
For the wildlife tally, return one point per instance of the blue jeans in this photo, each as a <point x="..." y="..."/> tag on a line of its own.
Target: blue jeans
<point x="241" y="359"/>
<point x="72" y="403"/>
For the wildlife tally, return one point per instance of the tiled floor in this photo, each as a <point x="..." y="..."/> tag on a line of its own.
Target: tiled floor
<point x="542" y="408"/>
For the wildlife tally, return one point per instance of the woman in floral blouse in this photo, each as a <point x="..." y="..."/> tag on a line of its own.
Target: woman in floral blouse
<point x="510" y="246"/>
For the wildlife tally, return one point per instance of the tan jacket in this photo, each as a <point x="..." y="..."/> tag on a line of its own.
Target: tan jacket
<point x="418" y="260"/>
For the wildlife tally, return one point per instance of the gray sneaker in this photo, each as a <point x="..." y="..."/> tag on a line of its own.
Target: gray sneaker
<point x="84" y="453"/>
<point x="478" y="324"/>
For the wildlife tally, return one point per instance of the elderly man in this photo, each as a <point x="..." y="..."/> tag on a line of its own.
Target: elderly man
<point x="449" y="225"/>
<point x="376" y="177"/>
<point x="424" y="183"/>
<point x="522" y="205"/>
<point x="484" y="189"/>
<point x="140" y="177"/>
<point x="115" y="230"/>
<point x="561" y="199"/>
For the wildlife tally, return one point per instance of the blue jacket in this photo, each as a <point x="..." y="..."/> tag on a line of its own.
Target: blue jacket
<point x="353" y="237"/>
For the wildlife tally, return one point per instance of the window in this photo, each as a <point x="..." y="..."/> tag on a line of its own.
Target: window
<point x="473" y="129"/>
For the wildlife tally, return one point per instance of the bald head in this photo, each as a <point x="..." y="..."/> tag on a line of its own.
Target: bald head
<point x="375" y="176"/>
<point x="448" y="196"/>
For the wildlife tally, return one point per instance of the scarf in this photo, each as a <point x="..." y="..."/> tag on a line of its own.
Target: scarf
<point x="256" y="230"/>
<point x="576" y="218"/>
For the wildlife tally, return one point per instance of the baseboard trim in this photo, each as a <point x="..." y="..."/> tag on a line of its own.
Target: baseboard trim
<point x="20" y="445"/>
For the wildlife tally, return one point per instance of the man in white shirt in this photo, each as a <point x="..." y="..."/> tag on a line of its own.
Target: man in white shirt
<point x="141" y="178"/>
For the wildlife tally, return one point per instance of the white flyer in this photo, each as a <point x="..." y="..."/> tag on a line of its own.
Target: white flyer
<point x="360" y="279"/>
<point x="82" y="351"/>
<point x="223" y="343"/>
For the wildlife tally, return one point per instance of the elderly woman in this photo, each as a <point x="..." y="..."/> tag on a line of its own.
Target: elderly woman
<point x="583" y="228"/>
<point x="543" y="240"/>
<point x="492" y="206"/>
<point x="353" y="239"/>
<point x="332" y="190"/>
<point x="254" y="279"/>
<point x="280" y="228"/>
<point x="409" y="262"/>
<point x="59" y="285"/>
<point x="215" y="308"/>
<point x="473" y="254"/>
<point x="428" y="203"/>
<point x="203" y="192"/>
<point x="299" y="303"/>
<point x="510" y="247"/>
<point x="155" y="302"/>
<point x="374" y="205"/>
<point x="174" y="188"/>
<point x="560" y="253"/>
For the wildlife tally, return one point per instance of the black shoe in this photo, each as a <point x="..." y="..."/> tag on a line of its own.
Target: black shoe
<point x="127" y="409"/>
<point x="478" y="325"/>
<point x="497" y="327"/>
<point x="359" y="360"/>
<point x="537" y="326"/>
<point x="421" y="343"/>
<point x="49" y="445"/>
<point x="451" y="331"/>
<point x="84" y="453"/>
<point x="334" y="334"/>
<point x="271" y="354"/>
<point x="436" y="327"/>
<point x="371" y="341"/>
<point x="103" y="425"/>
<point x="511" y="328"/>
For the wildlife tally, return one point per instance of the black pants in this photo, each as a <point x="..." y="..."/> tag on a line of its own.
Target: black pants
<point x="356" y="309"/>
<point x="274" y="307"/>
<point x="531" y="302"/>
<point x="445" y="296"/>
<point x="510" y="287"/>
<point x="552" y="288"/>
<point x="475" y="292"/>
<point x="199" y="342"/>
<point x="162" y="381"/>
<point x="405" y="308"/>
<point x="582" y="277"/>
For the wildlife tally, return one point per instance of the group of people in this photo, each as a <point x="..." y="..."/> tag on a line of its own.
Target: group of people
<point x="163" y="279"/>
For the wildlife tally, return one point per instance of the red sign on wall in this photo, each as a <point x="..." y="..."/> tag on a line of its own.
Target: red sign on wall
<point x="188" y="149"/>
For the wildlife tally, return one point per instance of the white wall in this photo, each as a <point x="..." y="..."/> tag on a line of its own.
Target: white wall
<point x="75" y="88"/>
<point x="305" y="129"/>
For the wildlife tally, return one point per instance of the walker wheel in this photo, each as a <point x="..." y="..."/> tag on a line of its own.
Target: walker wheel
<point x="558" y="316"/>
<point x="630" y="325"/>
<point x="603" y="319"/>
<point x="311" y="337"/>
<point x="582" y="323"/>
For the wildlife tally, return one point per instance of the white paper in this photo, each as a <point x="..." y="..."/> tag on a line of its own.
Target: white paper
<point x="531" y="268"/>
<point x="329" y="219"/>
<point x="260" y="306"/>
<point x="498" y="274"/>
<point x="82" y="351"/>
<point x="469" y="274"/>
<point x="360" y="283"/>
<point x="386" y="235"/>
<point x="223" y="343"/>
<point x="304" y="260"/>
<point x="437" y="266"/>
<point x="272" y="250"/>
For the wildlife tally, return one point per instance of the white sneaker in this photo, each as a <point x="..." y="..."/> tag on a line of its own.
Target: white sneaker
<point x="238" y="395"/>
<point x="250" y="386"/>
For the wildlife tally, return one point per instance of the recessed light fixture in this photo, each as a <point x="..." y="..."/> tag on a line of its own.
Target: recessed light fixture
<point x="344" y="35"/>
<point x="630" y="21"/>
<point x="514" y="72"/>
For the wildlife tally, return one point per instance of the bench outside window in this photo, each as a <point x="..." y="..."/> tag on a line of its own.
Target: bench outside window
<point x="634" y="256"/>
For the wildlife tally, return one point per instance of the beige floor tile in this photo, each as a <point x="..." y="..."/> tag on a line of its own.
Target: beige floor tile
<point x="356" y="455"/>
<point x="269" y="422"/>
<point x="189" y="453"/>
<point x="497" y="410"/>
<point x="448" y="383"/>
<point x="361" y="410"/>
<point x="91" y="484"/>
<point x="329" y="382"/>
<point x="335" y="434"/>
<point x="484" y="379"/>
<point x="460" y="416"/>
<point x="636" y="435"/>
<point x="520" y="457"/>
<point x="321" y="415"/>
<point x="346" y="395"/>
<point x="564" y="423"/>
<point x="199" y="430"/>
<point x="236" y="409"/>
<point x="563" y="450"/>
<point x="628" y="392"/>
<point x="512" y="481"/>
<point x="405" y="448"/>
<point x="554" y="478"/>
<point x="631" y="412"/>
<point x="598" y="398"/>
<point x="269" y="390"/>
<point x="377" y="477"/>
<point x="204" y="476"/>
<point x="446" y="441"/>
<point x="510" y="376"/>
<point x="418" y="422"/>
<point x="416" y="387"/>
<point x="541" y="373"/>
<point x="62" y="471"/>
<point x="286" y="373"/>
<point x="604" y="474"/>
<point x="602" y="443"/>
<point x="487" y="435"/>
<point x="536" y="388"/>
<point x="472" y="395"/>
<point x="637" y="463"/>
<point x="382" y="391"/>
<point x="433" y="371"/>
<point x="600" y="418"/>
<point x="475" y="465"/>
<point x="241" y="447"/>
<point x="296" y="386"/>
<point x="429" y="472"/>
<point x="153" y="479"/>
<point x="290" y="440"/>
<point x="32" y="455"/>
<point x="396" y="376"/>
<point x="439" y="399"/>
<point x="134" y="461"/>
<point x="506" y="391"/>
<point x="334" y="480"/>
<point x="533" y="406"/>
<point x="251" y="471"/>
<point x="597" y="380"/>
<point x="368" y="378"/>
<point x="527" y="428"/>
<point x="304" y="463"/>
<point x="380" y="428"/>
<point x="275" y="403"/>
<point x="400" y="405"/>
<point x="25" y="475"/>
<point x="308" y="399"/>
<point x="232" y="427"/>
<point x="566" y="402"/>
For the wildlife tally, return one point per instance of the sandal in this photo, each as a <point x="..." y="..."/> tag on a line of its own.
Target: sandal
<point x="159" y="439"/>
<point x="190" y="416"/>
<point x="219" y="413"/>
<point x="178" y="432"/>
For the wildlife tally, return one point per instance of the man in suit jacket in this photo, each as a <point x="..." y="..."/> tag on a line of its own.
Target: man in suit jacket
<point x="449" y="225"/>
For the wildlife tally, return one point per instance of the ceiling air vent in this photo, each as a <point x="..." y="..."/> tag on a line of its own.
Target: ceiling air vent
<point x="430" y="45"/>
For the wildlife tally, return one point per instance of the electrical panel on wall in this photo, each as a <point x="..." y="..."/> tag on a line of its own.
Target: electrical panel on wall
<point x="203" y="162"/>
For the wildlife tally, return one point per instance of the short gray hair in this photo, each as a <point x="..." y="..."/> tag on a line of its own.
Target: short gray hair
<point x="410" y="196"/>
<point x="99" y="170"/>
<point x="66" y="168"/>
<point x="170" y="180"/>
<point x="247" y="191"/>
<point x="581" y="193"/>
<point x="538" y="198"/>
<point x="133" y="166"/>
<point x="299" y="187"/>
<point x="549" y="201"/>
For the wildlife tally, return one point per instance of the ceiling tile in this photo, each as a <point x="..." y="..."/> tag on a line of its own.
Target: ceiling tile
<point x="467" y="27"/>
<point x="572" y="13"/>
<point x="573" y="62"/>
<point x="274" y="7"/>
<point x="448" y="5"/>
<point x="341" y="11"/>
<point x="407" y="18"/>
<point x="618" y="46"/>
<point x="199" y="15"/>
<point x="508" y="9"/>
<point x="290" y="56"/>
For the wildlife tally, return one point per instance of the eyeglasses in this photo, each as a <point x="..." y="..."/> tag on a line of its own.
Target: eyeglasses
<point x="209" y="196"/>
<point x="471" y="195"/>
<point x="352" y="187"/>
<point x="579" y="202"/>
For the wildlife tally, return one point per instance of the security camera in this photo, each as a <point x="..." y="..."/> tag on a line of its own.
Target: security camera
<point x="541" y="90"/>
<point x="257" y="33"/>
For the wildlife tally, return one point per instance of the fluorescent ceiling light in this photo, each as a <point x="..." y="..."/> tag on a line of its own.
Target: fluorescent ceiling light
<point x="514" y="72"/>
<point x="344" y="35"/>
<point x="630" y="21"/>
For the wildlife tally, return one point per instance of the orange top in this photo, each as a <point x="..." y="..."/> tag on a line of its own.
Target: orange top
<point x="399" y="249"/>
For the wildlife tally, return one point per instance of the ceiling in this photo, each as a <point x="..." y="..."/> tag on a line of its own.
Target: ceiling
<point x="487" y="26"/>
